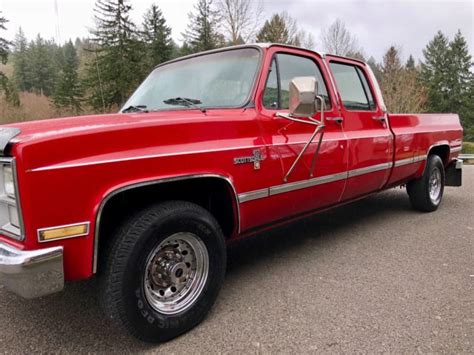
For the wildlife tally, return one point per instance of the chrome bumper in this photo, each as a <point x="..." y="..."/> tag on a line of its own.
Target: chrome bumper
<point x="31" y="273"/>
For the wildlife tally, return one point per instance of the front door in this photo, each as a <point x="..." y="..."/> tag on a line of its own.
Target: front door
<point x="312" y="184"/>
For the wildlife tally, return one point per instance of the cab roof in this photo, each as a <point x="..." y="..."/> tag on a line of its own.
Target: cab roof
<point x="264" y="45"/>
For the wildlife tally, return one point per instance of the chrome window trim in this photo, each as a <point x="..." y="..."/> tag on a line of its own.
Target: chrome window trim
<point x="150" y="183"/>
<point x="252" y="91"/>
<point x="63" y="226"/>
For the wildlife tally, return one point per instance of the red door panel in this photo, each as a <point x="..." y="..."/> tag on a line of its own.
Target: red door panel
<point x="285" y="140"/>
<point x="370" y="141"/>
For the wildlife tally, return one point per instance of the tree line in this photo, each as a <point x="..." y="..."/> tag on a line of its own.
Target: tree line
<point x="101" y="71"/>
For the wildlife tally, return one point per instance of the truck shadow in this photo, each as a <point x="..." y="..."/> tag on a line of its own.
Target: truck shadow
<point x="321" y="228"/>
<point x="72" y="320"/>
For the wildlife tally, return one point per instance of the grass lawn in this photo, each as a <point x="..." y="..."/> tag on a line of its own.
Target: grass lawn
<point x="468" y="148"/>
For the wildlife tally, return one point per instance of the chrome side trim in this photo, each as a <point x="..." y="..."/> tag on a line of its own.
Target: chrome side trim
<point x="253" y="195"/>
<point x="87" y="224"/>
<point x="419" y="158"/>
<point x="369" y="169"/>
<point x="149" y="183"/>
<point x="31" y="273"/>
<point x="279" y="189"/>
<point x="403" y="162"/>
<point x="408" y="161"/>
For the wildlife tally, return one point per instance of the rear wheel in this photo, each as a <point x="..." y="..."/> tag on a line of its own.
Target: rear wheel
<point x="426" y="192"/>
<point x="164" y="270"/>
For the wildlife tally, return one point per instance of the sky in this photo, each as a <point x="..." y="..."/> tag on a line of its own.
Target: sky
<point x="377" y="24"/>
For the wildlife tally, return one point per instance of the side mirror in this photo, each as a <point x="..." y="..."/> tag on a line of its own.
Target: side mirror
<point x="303" y="91"/>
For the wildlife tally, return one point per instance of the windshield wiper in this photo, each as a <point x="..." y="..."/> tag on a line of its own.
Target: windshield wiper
<point x="137" y="108"/>
<point x="185" y="102"/>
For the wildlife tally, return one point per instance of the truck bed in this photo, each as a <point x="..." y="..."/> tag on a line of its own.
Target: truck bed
<point x="415" y="135"/>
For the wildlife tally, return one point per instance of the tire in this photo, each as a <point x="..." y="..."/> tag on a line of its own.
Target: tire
<point x="172" y="244"/>
<point x="426" y="192"/>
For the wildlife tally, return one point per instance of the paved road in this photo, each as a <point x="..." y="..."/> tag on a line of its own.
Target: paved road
<point x="373" y="276"/>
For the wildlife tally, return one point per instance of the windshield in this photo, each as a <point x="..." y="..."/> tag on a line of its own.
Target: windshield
<point x="221" y="79"/>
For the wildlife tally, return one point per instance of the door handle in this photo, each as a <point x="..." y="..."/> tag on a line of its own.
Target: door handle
<point x="382" y="119"/>
<point x="335" y="119"/>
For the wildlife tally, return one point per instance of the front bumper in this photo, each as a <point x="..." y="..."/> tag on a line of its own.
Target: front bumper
<point x="32" y="273"/>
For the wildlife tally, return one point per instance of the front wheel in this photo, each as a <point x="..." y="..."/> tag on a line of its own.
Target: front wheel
<point x="426" y="192"/>
<point x="164" y="270"/>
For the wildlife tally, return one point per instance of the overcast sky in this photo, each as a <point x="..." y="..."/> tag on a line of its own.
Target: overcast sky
<point x="377" y="24"/>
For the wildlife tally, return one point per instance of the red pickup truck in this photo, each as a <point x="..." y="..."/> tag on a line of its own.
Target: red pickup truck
<point x="211" y="147"/>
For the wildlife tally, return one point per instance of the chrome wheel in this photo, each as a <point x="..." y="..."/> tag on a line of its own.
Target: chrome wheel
<point x="434" y="185"/>
<point x="176" y="272"/>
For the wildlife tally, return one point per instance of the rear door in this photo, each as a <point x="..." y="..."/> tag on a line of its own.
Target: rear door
<point x="370" y="142"/>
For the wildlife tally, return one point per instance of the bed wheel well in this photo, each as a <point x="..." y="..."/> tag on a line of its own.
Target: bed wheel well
<point x="442" y="151"/>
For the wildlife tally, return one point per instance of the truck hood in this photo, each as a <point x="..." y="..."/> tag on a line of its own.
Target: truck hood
<point x="31" y="131"/>
<point x="92" y="138"/>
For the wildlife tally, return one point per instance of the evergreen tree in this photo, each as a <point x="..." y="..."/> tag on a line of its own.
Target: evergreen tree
<point x="20" y="61"/>
<point x="460" y="80"/>
<point x="375" y="68"/>
<point x="9" y="89"/>
<point x="116" y="66"/>
<point x="157" y="36"/>
<point x="4" y="44"/>
<point x="68" y="92"/>
<point x="434" y="73"/>
<point x="410" y="64"/>
<point x="42" y="66"/>
<point x="275" y="31"/>
<point x="400" y="86"/>
<point x="4" y="49"/>
<point x="391" y="62"/>
<point x="446" y="72"/>
<point x="202" y="32"/>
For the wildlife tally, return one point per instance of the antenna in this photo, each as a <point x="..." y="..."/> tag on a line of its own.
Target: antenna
<point x="58" y="32"/>
<point x="100" y="80"/>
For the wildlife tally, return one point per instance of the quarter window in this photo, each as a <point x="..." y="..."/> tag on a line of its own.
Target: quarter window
<point x="284" y="68"/>
<point x="353" y="87"/>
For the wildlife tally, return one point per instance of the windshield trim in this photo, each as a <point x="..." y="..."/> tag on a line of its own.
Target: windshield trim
<point x="246" y="103"/>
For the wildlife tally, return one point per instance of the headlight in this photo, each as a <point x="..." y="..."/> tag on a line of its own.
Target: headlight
<point x="9" y="184"/>
<point x="10" y="212"/>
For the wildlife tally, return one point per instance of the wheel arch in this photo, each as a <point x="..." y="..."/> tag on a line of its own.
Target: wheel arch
<point x="442" y="149"/>
<point x="159" y="185"/>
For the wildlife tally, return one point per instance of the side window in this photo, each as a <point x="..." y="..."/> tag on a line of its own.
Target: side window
<point x="270" y="96"/>
<point x="353" y="87"/>
<point x="365" y="83"/>
<point x="278" y="85"/>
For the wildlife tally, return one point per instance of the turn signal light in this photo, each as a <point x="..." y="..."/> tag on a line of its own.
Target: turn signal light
<point x="63" y="232"/>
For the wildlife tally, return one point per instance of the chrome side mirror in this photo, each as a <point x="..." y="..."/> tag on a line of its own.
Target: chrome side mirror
<point x="302" y="96"/>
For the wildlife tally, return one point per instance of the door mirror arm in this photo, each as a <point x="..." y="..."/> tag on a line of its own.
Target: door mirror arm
<point x="303" y="98"/>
